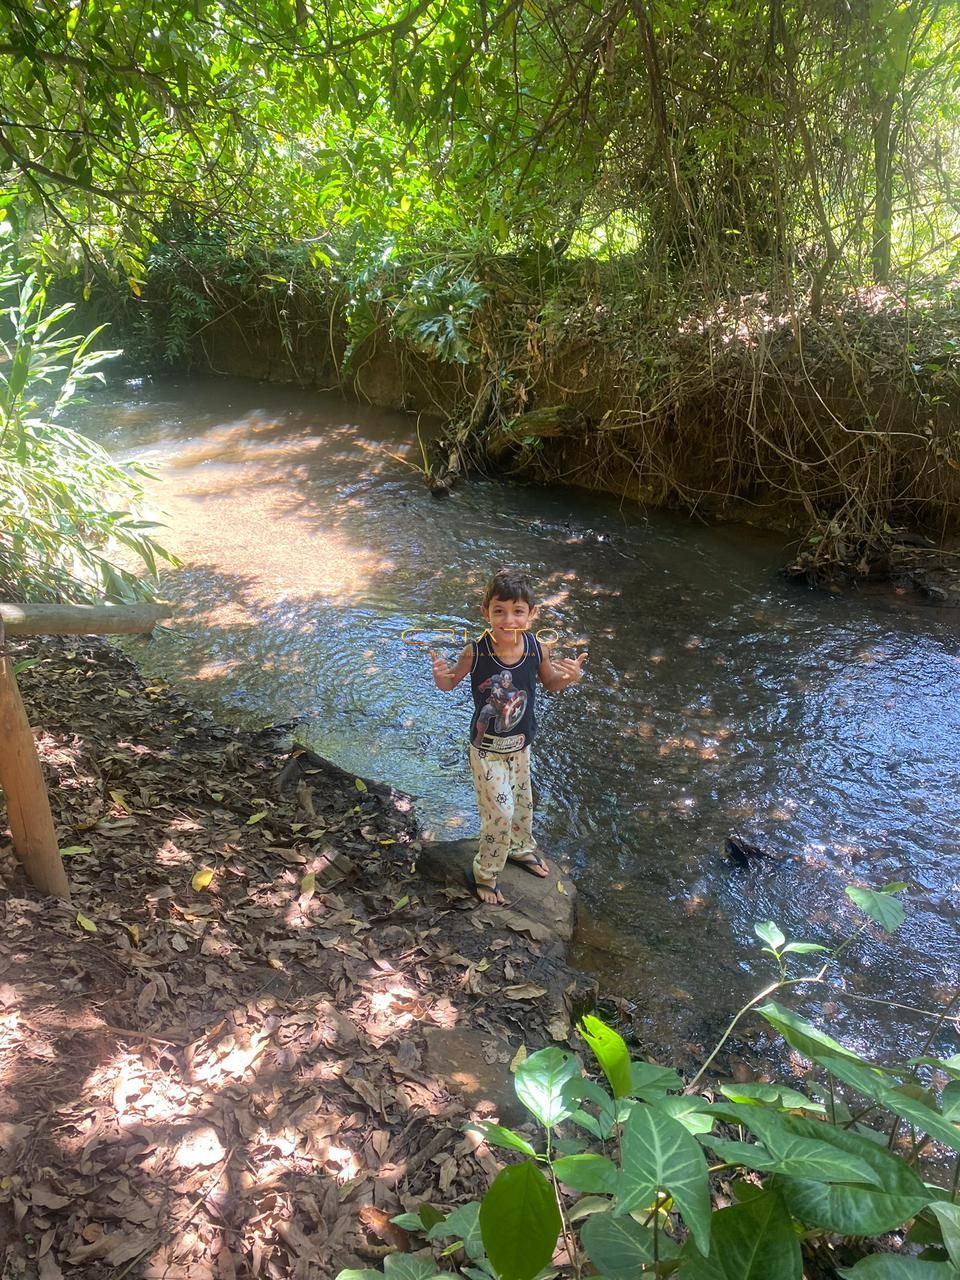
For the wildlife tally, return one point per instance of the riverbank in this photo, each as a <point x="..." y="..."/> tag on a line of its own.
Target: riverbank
<point x="830" y="417"/>
<point x="260" y="1026"/>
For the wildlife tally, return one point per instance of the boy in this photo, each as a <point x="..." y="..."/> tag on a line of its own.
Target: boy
<point x="504" y="666"/>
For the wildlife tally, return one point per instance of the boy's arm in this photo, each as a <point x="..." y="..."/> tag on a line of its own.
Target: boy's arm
<point x="446" y="677"/>
<point x="559" y="673"/>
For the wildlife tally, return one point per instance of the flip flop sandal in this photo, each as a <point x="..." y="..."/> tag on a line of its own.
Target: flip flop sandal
<point x="475" y="887"/>
<point x="530" y="864"/>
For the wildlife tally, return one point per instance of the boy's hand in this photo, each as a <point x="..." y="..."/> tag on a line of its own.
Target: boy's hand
<point x="441" y="670"/>
<point x="571" y="669"/>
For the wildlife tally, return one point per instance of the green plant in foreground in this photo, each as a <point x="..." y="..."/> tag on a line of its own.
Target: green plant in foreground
<point x="800" y="1168"/>
<point x="65" y="507"/>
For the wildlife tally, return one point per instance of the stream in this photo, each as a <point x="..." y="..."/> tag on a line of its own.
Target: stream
<point x="718" y="697"/>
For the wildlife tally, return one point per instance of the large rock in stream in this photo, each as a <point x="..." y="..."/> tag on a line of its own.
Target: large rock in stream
<point x="548" y="905"/>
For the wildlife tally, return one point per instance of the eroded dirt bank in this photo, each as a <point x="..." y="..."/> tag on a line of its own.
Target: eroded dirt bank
<point x="831" y="417"/>
<point x="260" y="1027"/>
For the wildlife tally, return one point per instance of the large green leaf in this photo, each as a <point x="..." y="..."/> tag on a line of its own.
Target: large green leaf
<point x="540" y="1082"/>
<point x="650" y="1081"/>
<point x="951" y="1100"/>
<point x="590" y="1173"/>
<point x="786" y="1150"/>
<point x="871" y="1081"/>
<point x="659" y="1154"/>
<point x="619" y="1247"/>
<point x="797" y="1158"/>
<point x="855" y="1210"/>
<point x="949" y="1215"/>
<point x="770" y="933"/>
<point x="770" y="1094"/>
<point x="611" y="1052"/>
<point x="519" y="1222"/>
<point x="754" y="1240"/>
<point x="892" y="1266"/>
<point x="690" y="1111"/>
<point x="404" y="1266"/>
<point x="464" y="1223"/>
<point x="578" y="1090"/>
<point x="878" y="1085"/>
<point x="880" y="907"/>
<point x="498" y="1136"/>
<point x="802" y="1035"/>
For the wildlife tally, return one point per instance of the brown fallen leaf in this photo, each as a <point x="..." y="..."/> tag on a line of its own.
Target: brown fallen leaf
<point x="378" y="1224"/>
<point x="45" y="1197"/>
<point x="49" y="1268"/>
<point x="114" y="1248"/>
<point x="525" y="991"/>
<point x="200" y="1148"/>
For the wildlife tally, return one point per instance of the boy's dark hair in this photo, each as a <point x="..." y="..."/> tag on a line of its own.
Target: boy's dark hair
<point x="510" y="584"/>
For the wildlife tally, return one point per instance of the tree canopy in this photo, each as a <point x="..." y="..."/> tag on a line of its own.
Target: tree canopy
<point x="775" y="141"/>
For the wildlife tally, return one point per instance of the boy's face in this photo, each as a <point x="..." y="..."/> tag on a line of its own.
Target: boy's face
<point x="506" y="617"/>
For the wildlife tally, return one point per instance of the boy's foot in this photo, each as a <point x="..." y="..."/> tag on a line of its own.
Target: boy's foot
<point x="488" y="894"/>
<point x="532" y="863"/>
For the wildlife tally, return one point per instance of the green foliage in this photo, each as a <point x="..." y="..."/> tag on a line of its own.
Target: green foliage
<point x="519" y="1222"/>
<point x="434" y="316"/>
<point x="542" y="1082"/>
<point x="881" y="907"/>
<point x="784" y="147"/>
<point x="811" y="1170"/>
<point x="755" y="1240"/>
<point x="610" y="1050"/>
<point x="65" y="508"/>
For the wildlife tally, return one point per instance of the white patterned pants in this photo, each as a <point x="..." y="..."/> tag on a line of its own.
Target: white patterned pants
<point x="505" y="801"/>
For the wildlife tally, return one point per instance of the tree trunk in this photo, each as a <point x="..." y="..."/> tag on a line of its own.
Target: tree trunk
<point x="28" y="806"/>
<point x="884" y="145"/>
<point x="80" y="619"/>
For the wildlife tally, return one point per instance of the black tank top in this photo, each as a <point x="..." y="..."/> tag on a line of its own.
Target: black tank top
<point x="504" y="697"/>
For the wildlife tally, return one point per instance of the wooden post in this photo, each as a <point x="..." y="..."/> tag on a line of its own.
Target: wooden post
<point x="21" y="776"/>
<point x="28" y="805"/>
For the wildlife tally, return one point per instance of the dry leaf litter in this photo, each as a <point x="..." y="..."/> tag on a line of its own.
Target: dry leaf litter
<point x="212" y="1061"/>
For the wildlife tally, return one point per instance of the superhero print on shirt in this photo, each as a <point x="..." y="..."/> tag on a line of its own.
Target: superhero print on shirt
<point x="503" y="708"/>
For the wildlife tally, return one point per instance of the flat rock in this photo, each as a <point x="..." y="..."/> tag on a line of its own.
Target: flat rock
<point x="476" y="1065"/>
<point x="546" y="908"/>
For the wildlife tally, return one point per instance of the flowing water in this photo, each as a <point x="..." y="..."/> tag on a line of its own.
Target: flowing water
<point x="718" y="697"/>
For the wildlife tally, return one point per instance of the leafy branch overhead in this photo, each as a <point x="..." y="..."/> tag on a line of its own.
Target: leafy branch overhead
<point x="798" y="141"/>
